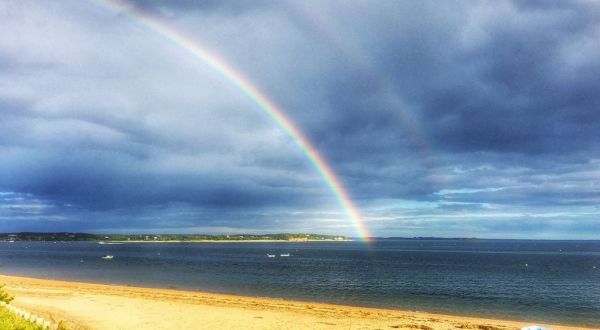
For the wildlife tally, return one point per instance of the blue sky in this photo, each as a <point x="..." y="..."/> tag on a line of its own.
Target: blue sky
<point x="441" y="119"/>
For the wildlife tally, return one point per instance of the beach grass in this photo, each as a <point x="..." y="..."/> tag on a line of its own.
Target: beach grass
<point x="5" y="296"/>
<point x="10" y="320"/>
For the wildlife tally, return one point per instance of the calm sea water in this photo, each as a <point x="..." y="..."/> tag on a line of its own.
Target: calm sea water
<point x="550" y="281"/>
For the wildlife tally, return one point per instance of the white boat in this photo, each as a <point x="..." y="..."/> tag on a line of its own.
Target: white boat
<point x="107" y="257"/>
<point x="534" y="327"/>
<point x="284" y="255"/>
<point x="270" y="255"/>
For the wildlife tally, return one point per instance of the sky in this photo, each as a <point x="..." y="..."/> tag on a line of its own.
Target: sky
<point x="453" y="119"/>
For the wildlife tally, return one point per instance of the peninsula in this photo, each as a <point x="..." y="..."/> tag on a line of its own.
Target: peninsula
<point x="87" y="237"/>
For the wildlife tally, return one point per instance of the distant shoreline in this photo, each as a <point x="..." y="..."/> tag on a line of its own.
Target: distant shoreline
<point x="103" y="306"/>
<point x="107" y="242"/>
<point x="166" y="238"/>
<point x="231" y="241"/>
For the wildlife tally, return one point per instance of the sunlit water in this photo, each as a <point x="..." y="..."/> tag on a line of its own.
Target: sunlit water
<point x="550" y="281"/>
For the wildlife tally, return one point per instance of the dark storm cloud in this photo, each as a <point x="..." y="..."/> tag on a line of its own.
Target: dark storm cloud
<point x="514" y="87"/>
<point x="105" y="180"/>
<point x="477" y="83"/>
<point x="432" y="114"/>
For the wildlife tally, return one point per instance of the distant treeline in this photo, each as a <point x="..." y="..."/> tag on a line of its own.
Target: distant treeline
<point x="30" y="236"/>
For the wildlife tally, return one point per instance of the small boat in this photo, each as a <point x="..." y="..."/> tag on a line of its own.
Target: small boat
<point x="101" y="242"/>
<point x="107" y="257"/>
<point x="270" y="255"/>
<point x="284" y="255"/>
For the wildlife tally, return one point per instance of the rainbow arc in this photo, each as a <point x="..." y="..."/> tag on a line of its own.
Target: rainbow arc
<point x="244" y="85"/>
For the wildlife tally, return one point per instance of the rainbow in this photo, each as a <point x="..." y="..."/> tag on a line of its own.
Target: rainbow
<point x="244" y="85"/>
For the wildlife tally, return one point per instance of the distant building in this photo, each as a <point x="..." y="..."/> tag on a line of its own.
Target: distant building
<point x="298" y="239"/>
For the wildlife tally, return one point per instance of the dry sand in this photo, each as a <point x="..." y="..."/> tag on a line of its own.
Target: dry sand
<point x="97" y="306"/>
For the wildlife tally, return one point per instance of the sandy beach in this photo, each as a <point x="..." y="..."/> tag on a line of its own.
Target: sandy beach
<point x="98" y="306"/>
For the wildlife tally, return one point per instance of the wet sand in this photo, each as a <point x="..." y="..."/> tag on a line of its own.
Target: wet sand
<point x="99" y="306"/>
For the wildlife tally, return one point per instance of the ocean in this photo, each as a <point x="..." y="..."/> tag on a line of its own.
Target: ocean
<point x="534" y="281"/>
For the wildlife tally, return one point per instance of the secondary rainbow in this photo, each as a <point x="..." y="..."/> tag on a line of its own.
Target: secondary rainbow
<point x="250" y="90"/>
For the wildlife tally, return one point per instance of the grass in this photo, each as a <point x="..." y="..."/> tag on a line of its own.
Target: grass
<point x="5" y="296"/>
<point x="10" y="321"/>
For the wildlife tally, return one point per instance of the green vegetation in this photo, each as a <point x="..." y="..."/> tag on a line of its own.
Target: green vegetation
<point x="27" y="236"/>
<point x="12" y="321"/>
<point x="9" y="320"/>
<point x="5" y="296"/>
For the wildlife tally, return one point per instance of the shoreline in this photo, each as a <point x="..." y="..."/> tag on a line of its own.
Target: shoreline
<point x="107" y="306"/>
<point x="230" y="241"/>
<point x="193" y="241"/>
